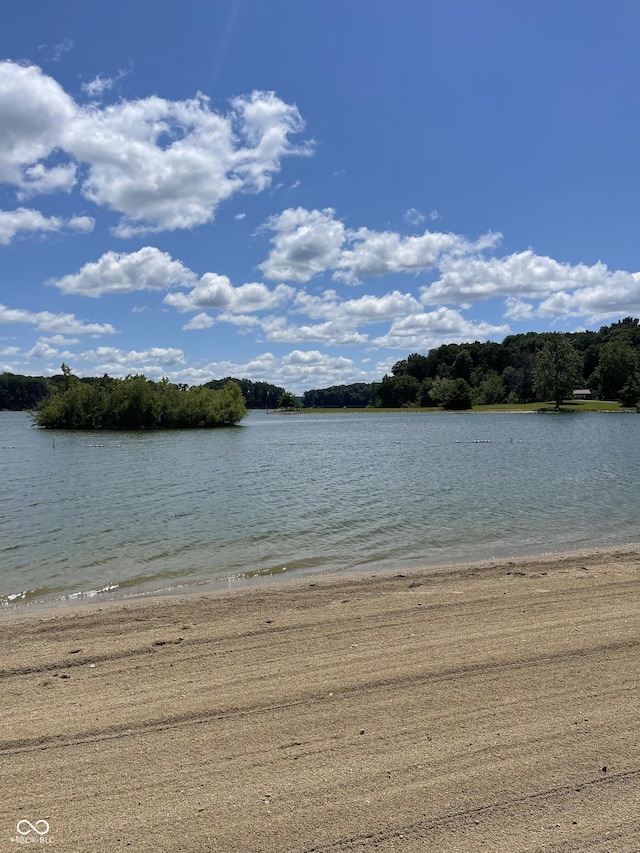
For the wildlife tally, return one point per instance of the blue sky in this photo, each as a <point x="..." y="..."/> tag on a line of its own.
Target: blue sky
<point x="305" y="192"/>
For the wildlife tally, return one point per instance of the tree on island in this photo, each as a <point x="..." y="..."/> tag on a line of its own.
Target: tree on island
<point x="557" y="370"/>
<point x="137" y="403"/>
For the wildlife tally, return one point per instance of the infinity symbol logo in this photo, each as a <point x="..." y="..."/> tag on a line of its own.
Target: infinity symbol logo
<point x="32" y="827"/>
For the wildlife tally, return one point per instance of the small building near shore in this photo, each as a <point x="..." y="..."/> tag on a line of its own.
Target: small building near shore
<point x="582" y="394"/>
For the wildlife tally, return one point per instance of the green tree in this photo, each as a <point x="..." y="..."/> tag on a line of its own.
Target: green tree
<point x="558" y="369"/>
<point x="617" y="365"/>
<point x="425" y="400"/>
<point x="491" y="390"/>
<point x="630" y="393"/>
<point x="288" y="401"/>
<point x="463" y="365"/>
<point x="137" y="403"/>
<point x="451" y="393"/>
<point x="397" y="391"/>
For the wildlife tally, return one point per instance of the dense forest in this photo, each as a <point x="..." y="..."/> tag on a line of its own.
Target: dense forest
<point x="526" y="368"/>
<point x="523" y="368"/>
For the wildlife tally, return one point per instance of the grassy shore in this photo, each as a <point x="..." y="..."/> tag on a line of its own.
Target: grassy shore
<point x="567" y="406"/>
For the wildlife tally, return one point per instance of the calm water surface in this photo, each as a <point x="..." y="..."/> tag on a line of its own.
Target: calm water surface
<point x="87" y="514"/>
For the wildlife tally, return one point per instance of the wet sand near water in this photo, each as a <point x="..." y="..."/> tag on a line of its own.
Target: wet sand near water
<point x="484" y="707"/>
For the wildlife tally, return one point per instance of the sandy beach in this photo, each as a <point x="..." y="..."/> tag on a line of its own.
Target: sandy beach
<point x="485" y="707"/>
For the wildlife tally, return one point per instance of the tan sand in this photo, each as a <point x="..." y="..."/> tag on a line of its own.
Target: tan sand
<point x="483" y="708"/>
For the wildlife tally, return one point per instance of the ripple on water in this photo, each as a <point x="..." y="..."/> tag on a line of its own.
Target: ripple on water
<point x="306" y="493"/>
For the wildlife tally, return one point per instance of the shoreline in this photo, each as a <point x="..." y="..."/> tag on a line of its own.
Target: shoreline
<point x="243" y="583"/>
<point x="491" y="705"/>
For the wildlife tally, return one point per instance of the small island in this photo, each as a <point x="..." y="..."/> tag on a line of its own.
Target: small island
<point x="138" y="403"/>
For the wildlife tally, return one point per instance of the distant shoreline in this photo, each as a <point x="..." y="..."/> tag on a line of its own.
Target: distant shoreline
<point x="533" y="408"/>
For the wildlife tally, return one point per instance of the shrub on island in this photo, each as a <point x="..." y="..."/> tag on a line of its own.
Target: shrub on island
<point x="138" y="403"/>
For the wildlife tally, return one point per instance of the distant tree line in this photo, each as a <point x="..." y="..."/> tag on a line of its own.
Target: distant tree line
<point x="257" y="395"/>
<point x="18" y="393"/>
<point x="526" y="368"/>
<point x="137" y="403"/>
<point x="357" y="395"/>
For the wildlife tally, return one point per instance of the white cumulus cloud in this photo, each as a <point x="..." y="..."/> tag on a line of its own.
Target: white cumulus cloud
<point x="25" y="220"/>
<point x="38" y="180"/>
<point x="280" y="330"/>
<point x="307" y="243"/>
<point x="216" y="291"/>
<point x="537" y="286"/>
<point x="523" y="274"/>
<point x="153" y="362"/>
<point x="200" y="321"/>
<point x="297" y="370"/>
<point x="424" y="331"/>
<point x="60" y="324"/>
<point x="160" y="164"/>
<point x="35" y="113"/>
<point x="114" y="272"/>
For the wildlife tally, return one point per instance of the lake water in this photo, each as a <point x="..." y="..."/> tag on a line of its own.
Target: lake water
<point x="85" y="515"/>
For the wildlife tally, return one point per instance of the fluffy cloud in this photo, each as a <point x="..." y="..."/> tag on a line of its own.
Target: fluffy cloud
<point x="216" y="291"/>
<point x="36" y="113"/>
<point x="310" y="242"/>
<point x="152" y="270"/>
<point x="618" y="293"/>
<point x="411" y="327"/>
<point x="365" y="309"/>
<point x="424" y="331"/>
<point x="518" y="310"/>
<point x="306" y="244"/>
<point x="61" y="324"/>
<point x="296" y="371"/>
<point x="537" y="286"/>
<point x="279" y="330"/>
<point x="44" y="350"/>
<point x="25" y="220"/>
<point x="81" y="223"/>
<point x="146" y="269"/>
<point x="200" y="321"/>
<point x="381" y="253"/>
<point x="161" y="164"/>
<point x="153" y="362"/>
<point x="38" y="180"/>
<point x="60" y="340"/>
<point x="524" y="274"/>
